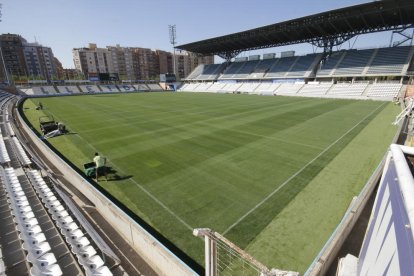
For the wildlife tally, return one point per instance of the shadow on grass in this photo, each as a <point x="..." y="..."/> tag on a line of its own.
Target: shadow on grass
<point x="112" y="175"/>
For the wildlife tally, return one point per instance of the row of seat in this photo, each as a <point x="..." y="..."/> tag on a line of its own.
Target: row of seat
<point x="33" y="229"/>
<point x="34" y="240"/>
<point x="2" y="266"/>
<point x="78" y="241"/>
<point x="4" y="155"/>
<point x="21" y="154"/>
<point x="357" y="90"/>
<point x="72" y="89"/>
<point x="368" y="62"/>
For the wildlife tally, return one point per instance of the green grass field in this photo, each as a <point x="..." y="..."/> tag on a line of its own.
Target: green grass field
<point x="235" y="163"/>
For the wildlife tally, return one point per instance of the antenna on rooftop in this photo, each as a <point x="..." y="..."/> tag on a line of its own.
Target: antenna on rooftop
<point x="173" y="37"/>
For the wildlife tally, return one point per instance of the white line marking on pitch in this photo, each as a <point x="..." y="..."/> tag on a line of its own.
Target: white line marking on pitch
<point x="297" y="173"/>
<point x="144" y="190"/>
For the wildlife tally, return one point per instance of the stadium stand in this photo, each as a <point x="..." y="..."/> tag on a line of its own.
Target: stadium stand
<point x="126" y="88"/>
<point x="4" y="155"/>
<point x="289" y="88"/>
<point x="248" y="87"/>
<point x="247" y="69"/>
<point x="347" y="89"/>
<point x="230" y="87"/>
<point x="109" y="88"/>
<point x="217" y="86"/>
<point x="281" y="66"/>
<point x="154" y="87"/>
<point x="189" y="87"/>
<point x="304" y="66"/>
<point x="267" y="88"/>
<point x="231" y="71"/>
<point x="390" y="61"/>
<point x="43" y="90"/>
<point x="58" y="243"/>
<point x="68" y="89"/>
<point x="141" y="87"/>
<point x="202" y="87"/>
<point x="354" y="62"/>
<point x="26" y="91"/>
<point x="211" y="71"/>
<point x="196" y="72"/>
<point x="21" y="154"/>
<point x="89" y="88"/>
<point x="389" y="90"/>
<point x="315" y="89"/>
<point x="261" y="69"/>
<point x="330" y="64"/>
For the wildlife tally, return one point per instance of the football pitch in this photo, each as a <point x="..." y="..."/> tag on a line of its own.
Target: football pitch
<point x="273" y="174"/>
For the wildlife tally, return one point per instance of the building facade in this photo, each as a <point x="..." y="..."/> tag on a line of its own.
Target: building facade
<point x="93" y="60"/>
<point x="12" y="56"/>
<point x="135" y="63"/>
<point x="23" y="60"/>
<point x="39" y="61"/>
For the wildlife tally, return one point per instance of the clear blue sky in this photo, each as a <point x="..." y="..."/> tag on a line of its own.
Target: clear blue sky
<point x="67" y="24"/>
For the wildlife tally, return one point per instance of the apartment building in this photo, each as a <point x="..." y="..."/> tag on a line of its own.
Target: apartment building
<point x="93" y="60"/>
<point x="133" y="63"/>
<point x="39" y="61"/>
<point x="12" y="56"/>
<point x="21" y="59"/>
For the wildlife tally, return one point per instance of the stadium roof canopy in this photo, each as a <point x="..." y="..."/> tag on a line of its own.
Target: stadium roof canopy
<point x="324" y="29"/>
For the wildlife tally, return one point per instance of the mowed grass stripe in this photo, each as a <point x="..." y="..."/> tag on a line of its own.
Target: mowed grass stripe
<point x="263" y="122"/>
<point x="188" y="122"/>
<point x="253" y="224"/>
<point x="298" y="172"/>
<point x="209" y="168"/>
<point x="293" y="239"/>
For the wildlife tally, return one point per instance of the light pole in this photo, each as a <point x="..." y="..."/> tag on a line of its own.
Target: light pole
<point x="173" y="36"/>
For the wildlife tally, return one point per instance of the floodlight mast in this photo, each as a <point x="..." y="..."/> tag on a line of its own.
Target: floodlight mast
<point x="173" y="36"/>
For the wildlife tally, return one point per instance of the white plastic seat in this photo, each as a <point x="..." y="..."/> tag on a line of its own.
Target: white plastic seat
<point x="27" y="225"/>
<point x="74" y="235"/>
<point x="44" y="261"/>
<point x="22" y="198"/>
<point x="69" y="228"/>
<point x="39" y="249"/>
<point x="23" y="217"/>
<point x="49" y="199"/>
<point x="64" y="221"/>
<point x="86" y="253"/>
<point x="15" y="190"/>
<point x="56" y="209"/>
<point x="19" y="204"/>
<point x="93" y="263"/>
<point x="52" y="270"/>
<point x="17" y="195"/>
<point x="53" y="204"/>
<point x="47" y="193"/>
<point x="32" y="231"/>
<point x="79" y="244"/>
<point x="61" y="215"/>
<point x="32" y="240"/>
<point x="100" y="271"/>
<point x="15" y="183"/>
<point x="24" y="209"/>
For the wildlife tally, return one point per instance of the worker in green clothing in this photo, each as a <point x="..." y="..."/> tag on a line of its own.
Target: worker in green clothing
<point x="100" y="165"/>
